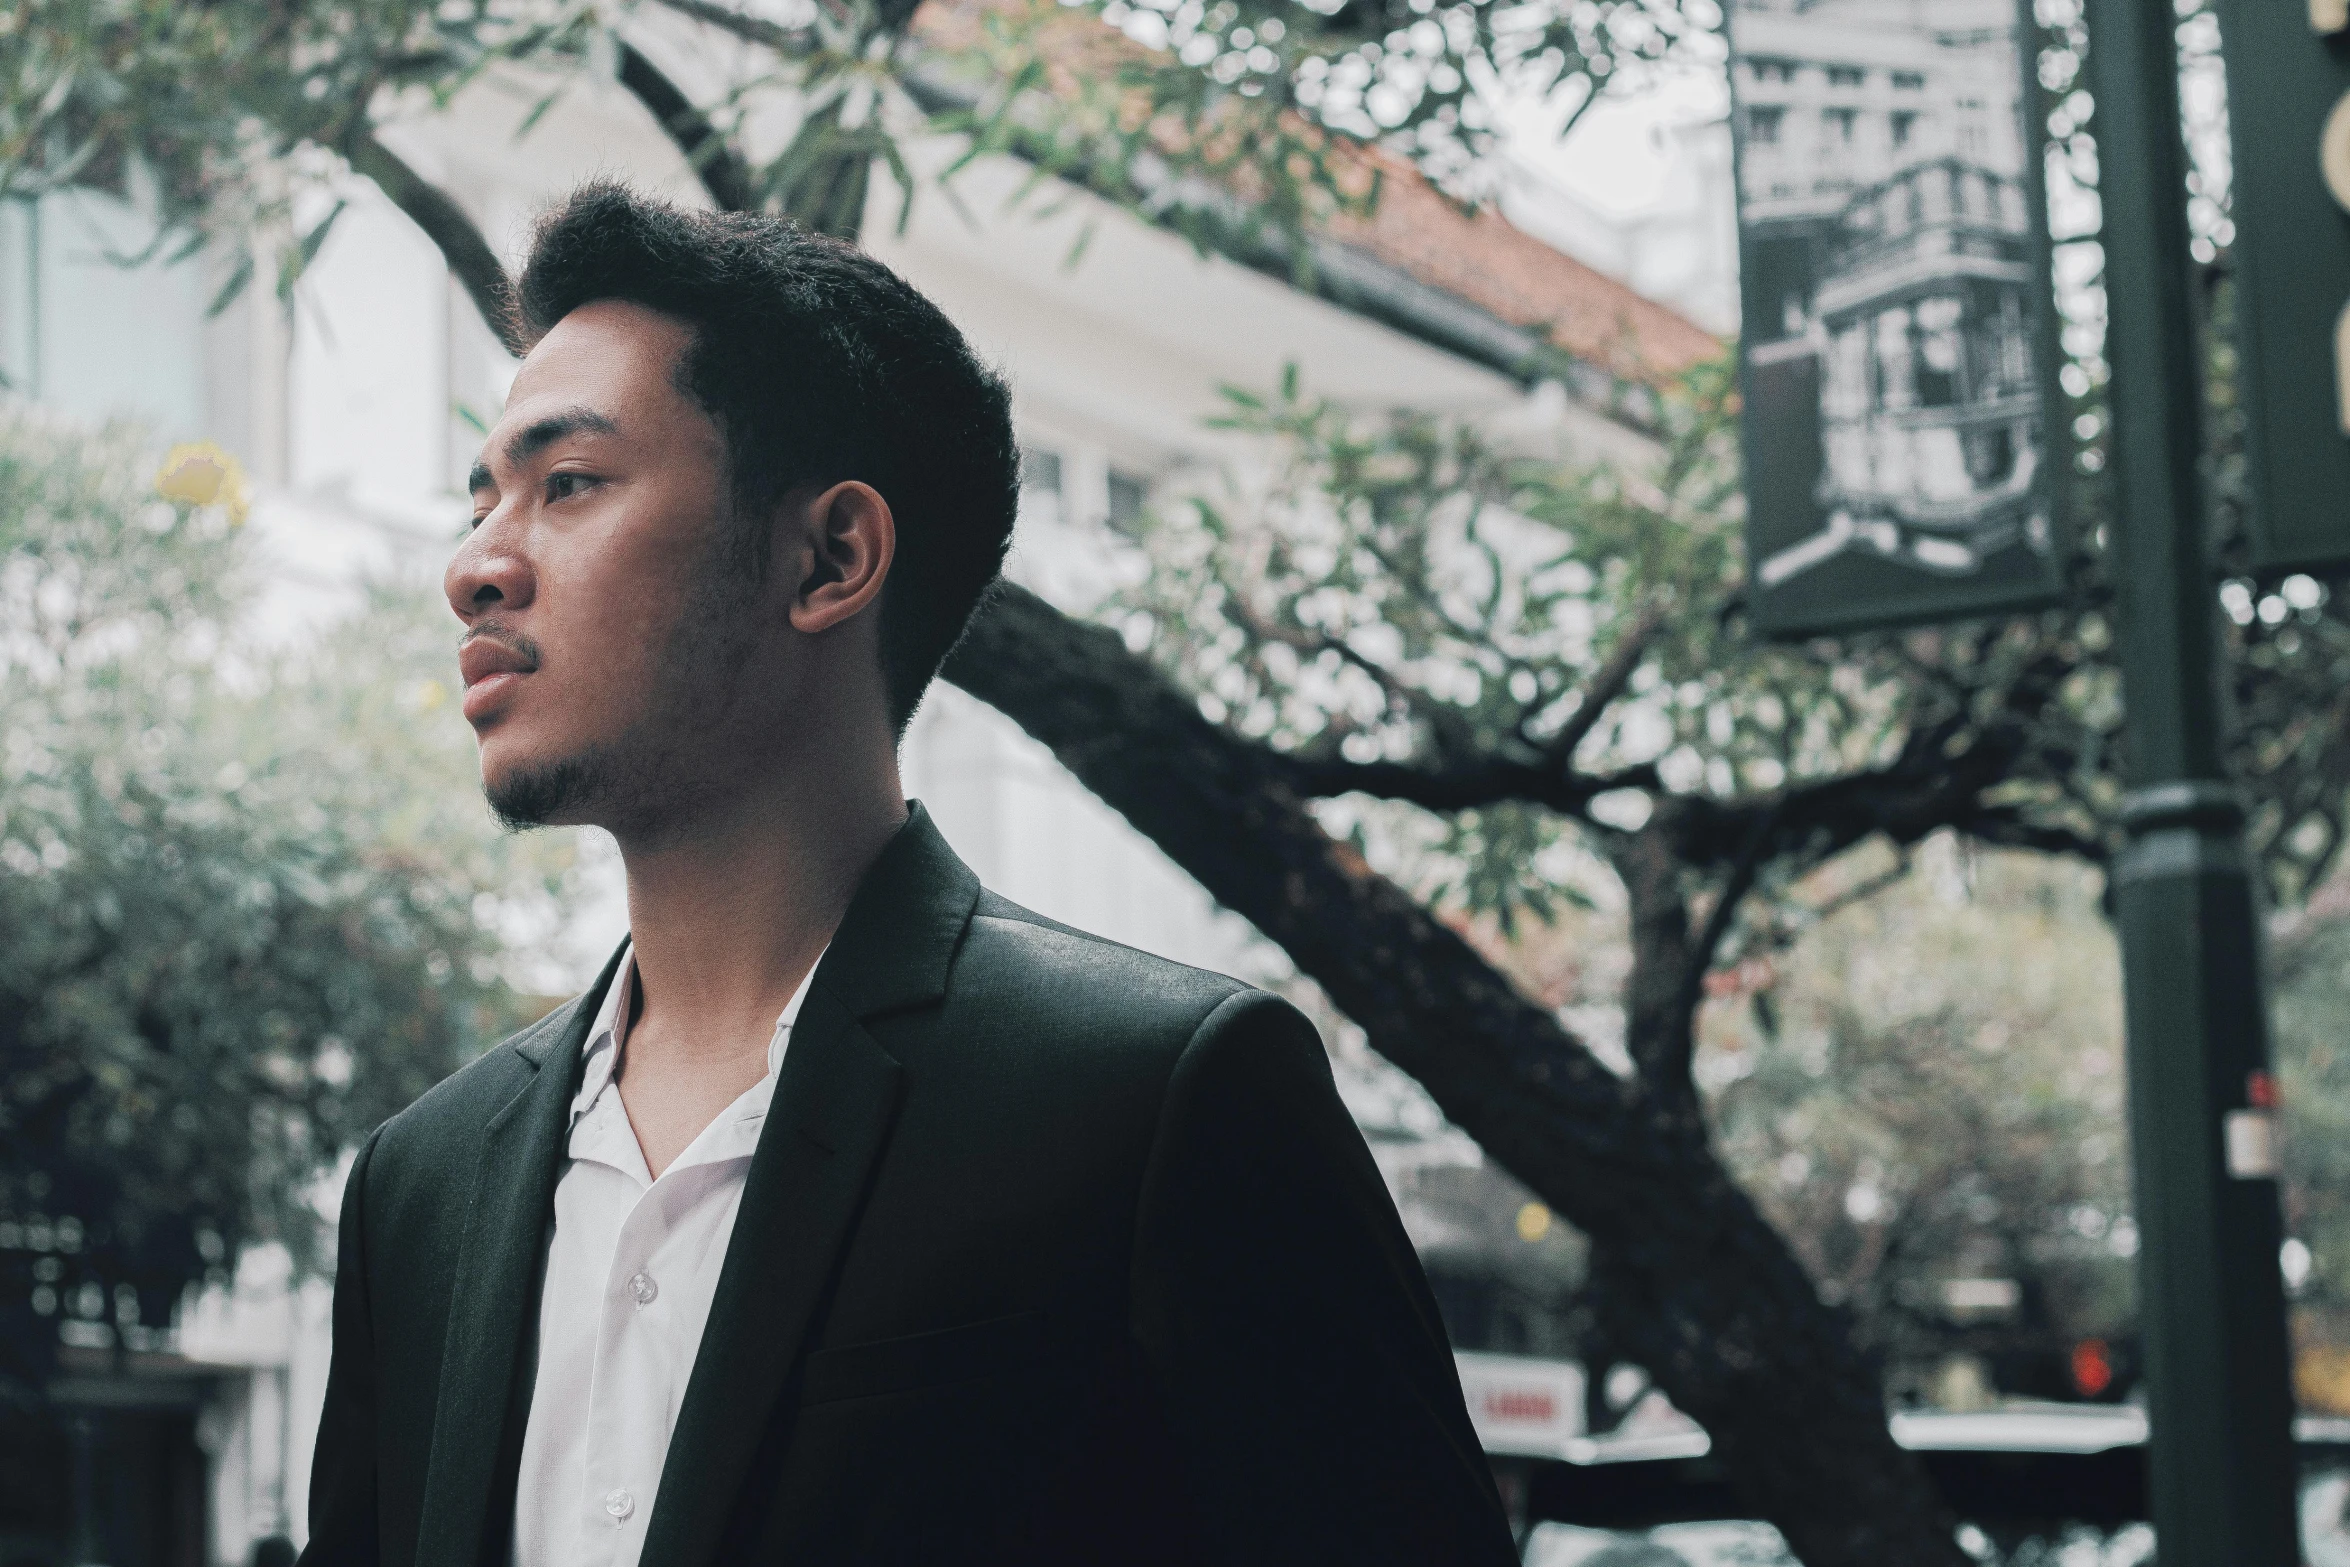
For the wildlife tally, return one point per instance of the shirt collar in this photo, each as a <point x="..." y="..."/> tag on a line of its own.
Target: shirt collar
<point x="608" y="1037"/>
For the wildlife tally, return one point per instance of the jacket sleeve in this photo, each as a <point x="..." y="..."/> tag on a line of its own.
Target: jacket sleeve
<point x="1280" y="1305"/>
<point x="343" y="1472"/>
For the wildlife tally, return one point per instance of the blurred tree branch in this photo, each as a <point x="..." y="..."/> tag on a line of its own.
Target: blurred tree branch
<point x="460" y="241"/>
<point x="720" y="168"/>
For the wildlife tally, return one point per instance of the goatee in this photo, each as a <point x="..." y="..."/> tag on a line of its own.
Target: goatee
<point x="543" y="796"/>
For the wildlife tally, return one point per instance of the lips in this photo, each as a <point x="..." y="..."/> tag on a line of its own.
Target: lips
<point x="491" y="670"/>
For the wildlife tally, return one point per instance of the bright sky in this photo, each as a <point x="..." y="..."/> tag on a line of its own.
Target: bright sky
<point x="1613" y="159"/>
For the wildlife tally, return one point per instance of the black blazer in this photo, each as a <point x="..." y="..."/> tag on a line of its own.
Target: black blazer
<point x="1050" y="1252"/>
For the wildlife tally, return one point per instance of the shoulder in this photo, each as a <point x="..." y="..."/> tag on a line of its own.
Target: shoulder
<point x="1060" y="973"/>
<point x="1080" y="1003"/>
<point x="449" y="1118"/>
<point x="1080" y="1043"/>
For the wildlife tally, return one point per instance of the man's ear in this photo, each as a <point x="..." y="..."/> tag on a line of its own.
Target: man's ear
<point x="842" y="546"/>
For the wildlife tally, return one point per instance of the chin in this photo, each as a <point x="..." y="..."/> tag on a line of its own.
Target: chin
<point x="531" y="794"/>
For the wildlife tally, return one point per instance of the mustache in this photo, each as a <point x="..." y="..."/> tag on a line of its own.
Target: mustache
<point x="504" y="636"/>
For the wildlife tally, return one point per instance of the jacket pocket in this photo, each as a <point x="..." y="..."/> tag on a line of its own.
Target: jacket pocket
<point x="923" y="1360"/>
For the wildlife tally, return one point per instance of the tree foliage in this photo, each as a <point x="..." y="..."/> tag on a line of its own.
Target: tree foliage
<point x="1408" y="608"/>
<point x="1919" y="1129"/>
<point x="242" y="910"/>
<point x="1235" y="113"/>
<point x="1419" y="610"/>
<point x="2311" y="963"/>
<point x="1522" y="683"/>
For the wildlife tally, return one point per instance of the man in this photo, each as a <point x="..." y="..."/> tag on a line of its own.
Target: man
<point x="855" y="1215"/>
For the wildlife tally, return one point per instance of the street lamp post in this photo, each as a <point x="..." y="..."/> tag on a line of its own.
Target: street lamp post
<point x="2211" y="1299"/>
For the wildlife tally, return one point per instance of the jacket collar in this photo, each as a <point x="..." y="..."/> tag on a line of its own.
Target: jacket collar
<point x="835" y="1100"/>
<point x="898" y="939"/>
<point x="477" y="1432"/>
<point x="835" y="1105"/>
<point x="892" y="951"/>
<point x="561" y="1033"/>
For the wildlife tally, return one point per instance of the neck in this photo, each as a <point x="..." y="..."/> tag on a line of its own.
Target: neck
<point x="728" y="914"/>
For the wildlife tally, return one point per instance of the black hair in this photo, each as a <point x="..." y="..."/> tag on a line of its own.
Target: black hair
<point x="818" y="364"/>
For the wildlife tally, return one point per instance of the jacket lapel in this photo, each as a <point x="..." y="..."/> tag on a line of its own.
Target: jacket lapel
<point x="827" y="1126"/>
<point x="799" y="1202"/>
<point x="496" y="1279"/>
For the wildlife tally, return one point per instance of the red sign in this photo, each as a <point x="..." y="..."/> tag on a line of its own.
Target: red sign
<point x="1521" y="1404"/>
<point x="2092" y="1367"/>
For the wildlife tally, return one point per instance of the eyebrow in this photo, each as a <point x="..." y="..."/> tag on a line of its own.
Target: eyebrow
<point x="540" y="434"/>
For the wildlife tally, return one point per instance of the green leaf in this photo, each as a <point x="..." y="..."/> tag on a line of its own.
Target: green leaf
<point x="539" y="110"/>
<point x="239" y="275"/>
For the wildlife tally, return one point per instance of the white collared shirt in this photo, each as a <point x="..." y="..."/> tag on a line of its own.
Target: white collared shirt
<point x="632" y="1265"/>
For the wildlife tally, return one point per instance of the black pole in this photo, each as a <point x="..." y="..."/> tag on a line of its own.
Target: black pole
<point x="2210" y="1296"/>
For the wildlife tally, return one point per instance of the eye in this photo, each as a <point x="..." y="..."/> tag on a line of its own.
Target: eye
<point x="563" y="486"/>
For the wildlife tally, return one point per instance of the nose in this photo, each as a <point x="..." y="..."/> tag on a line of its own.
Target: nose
<point x="489" y="573"/>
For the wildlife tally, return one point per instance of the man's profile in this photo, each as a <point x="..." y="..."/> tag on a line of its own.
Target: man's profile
<point x="854" y="1215"/>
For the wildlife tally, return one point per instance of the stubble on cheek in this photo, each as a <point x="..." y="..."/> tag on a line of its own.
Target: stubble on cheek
<point x="648" y="781"/>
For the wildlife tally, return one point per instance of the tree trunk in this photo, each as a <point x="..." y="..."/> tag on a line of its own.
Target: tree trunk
<point x="1705" y="1293"/>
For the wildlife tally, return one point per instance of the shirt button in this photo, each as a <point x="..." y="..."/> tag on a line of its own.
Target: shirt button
<point x="643" y="1288"/>
<point x="618" y="1505"/>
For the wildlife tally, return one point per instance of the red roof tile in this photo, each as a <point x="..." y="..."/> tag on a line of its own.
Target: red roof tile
<point x="1484" y="259"/>
<point x="1478" y="257"/>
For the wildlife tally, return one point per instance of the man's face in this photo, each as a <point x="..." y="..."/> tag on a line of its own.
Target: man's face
<point x="605" y="635"/>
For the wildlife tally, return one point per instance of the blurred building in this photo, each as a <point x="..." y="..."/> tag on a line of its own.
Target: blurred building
<point x="1892" y="280"/>
<point x="1840" y="95"/>
<point x="358" y="406"/>
<point x="1677" y="244"/>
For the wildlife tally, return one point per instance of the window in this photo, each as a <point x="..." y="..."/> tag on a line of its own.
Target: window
<point x="1129" y="499"/>
<point x="1772" y="70"/>
<point x="1040" y="484"/>
<point x="1990" y="455"/>
<point x="20" y="295"/>
<point x="1762" y="125"/>
<point x="1940" y="372"/>
<point x="1841" y="125"/>
<point x="1905" y="128"/>
<point x="1040" y="470"/>
<point x="88" y="337"/>
<point x="1893" y="375"/>
<point x="1846" y="75"/>
<point x="1909" y="81"/>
